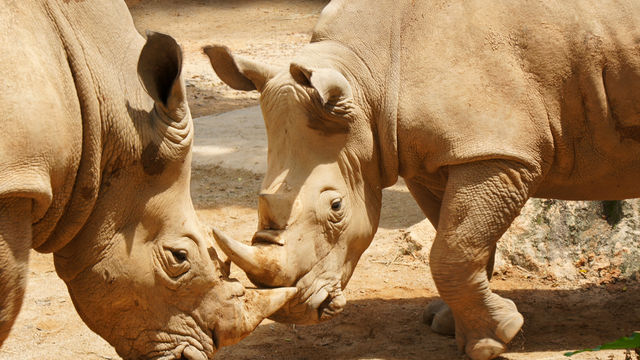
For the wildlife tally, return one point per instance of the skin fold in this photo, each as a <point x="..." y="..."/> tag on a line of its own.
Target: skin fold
<point x="478" y="105"/>
<point x="95" y="168"/>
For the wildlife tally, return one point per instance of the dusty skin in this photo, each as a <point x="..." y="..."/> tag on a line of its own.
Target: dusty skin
<point x="390" y="286"/>
<point x="478" y="105"/>
<point x="95" y="168"/>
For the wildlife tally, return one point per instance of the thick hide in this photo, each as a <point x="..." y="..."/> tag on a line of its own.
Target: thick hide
<point x="95" y="162"/>
<point x="477" y="104"/>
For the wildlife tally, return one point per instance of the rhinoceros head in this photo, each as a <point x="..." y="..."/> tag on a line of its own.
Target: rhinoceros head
<point x="319" y="204"/>
<point x="141" y="271"/>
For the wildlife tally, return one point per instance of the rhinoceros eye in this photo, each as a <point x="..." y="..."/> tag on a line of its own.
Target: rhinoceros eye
<point x="176" y="262"/>
<point x="179" y="255"/>
<point x="336" y="205"/>
<point x="332" y="206"/>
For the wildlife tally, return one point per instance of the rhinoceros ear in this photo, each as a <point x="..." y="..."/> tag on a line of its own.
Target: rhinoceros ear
<point x="236" y="71"/>
<point x="159" y="68"/>
<point x="332" y="87"/>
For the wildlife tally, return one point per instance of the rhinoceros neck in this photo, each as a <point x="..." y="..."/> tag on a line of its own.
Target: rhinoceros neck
<point x="100" y="64"/>
<point x="372" y="47"/>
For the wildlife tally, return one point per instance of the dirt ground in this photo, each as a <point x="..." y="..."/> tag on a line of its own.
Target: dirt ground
<point x="391" y="284"/>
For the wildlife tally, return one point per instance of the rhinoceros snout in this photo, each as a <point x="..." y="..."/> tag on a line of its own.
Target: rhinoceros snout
<point x="332" y="306"/>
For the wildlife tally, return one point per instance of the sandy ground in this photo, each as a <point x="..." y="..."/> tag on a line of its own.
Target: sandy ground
<point x="391" y="284"/>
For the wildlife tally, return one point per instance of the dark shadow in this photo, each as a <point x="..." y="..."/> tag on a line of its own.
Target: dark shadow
<point x="217" y="187"/>
<point x="222" y="4"/>
<point x="399" y="209"/>
<point x="205" y="99"/>
<point x="555" y="321"/>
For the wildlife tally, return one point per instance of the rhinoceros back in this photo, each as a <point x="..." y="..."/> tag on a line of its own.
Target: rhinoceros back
<point x="41" y="121"/>
<point x="555" y="85"/>
<point x="66" y="83"/>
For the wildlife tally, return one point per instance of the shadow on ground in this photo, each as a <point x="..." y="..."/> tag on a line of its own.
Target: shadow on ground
<point x="215" y="187"/>
<point x="555" y="321"/>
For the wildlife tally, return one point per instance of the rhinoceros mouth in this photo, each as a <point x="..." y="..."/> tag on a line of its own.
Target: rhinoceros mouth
<point x="191" y="353"/>
<point x="312" y="306"/>
<point x="186" y="351"/>
<point x="163" y="345"/>
<point x="215" y="339"/>
<point x="333" y="304"/>
<point x="329" y="308"/>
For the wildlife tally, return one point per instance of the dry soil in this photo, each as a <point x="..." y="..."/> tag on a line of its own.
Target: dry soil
<point x="391" y="285"/>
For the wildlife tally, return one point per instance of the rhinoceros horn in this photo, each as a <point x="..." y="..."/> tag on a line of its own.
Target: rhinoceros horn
<point x="264" y="264"/>
<point x="259" y="305"/>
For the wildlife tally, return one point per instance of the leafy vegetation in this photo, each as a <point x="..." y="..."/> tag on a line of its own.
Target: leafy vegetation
<point x="631" y="342"/>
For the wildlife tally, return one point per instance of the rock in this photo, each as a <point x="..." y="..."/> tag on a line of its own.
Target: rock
<point x="566" y="240"/>
<point x="569" y="239"/>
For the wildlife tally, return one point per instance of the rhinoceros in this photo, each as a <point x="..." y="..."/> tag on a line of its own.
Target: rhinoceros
<point x="96" y="170"/>
<point x="477" y="104"/>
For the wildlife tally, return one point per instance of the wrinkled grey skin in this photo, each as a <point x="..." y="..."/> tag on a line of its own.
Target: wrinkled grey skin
<point x="95" y="161"/>
<point x="477" y="104"/>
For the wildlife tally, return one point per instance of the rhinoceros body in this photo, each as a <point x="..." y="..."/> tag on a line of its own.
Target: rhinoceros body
<point x="478" y="105"/>
<point x="95" y="170"/>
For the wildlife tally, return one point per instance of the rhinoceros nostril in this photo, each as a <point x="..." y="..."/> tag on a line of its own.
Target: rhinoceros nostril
<point x="214" y="338"/>
<point x="323" y="306"/>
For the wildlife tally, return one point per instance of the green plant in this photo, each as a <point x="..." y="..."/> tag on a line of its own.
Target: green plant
<point x="631" y="342"/>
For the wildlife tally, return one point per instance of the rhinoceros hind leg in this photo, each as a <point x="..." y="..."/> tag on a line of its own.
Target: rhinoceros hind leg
<point x="439" y="317"/>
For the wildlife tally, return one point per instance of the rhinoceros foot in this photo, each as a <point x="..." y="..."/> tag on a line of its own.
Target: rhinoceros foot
<point x="439" y="317"/>
<point x="488" y="342"/>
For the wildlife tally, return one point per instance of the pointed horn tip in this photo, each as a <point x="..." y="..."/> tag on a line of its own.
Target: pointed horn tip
<point x="224" y="240"/>
<point x="214" y="49"/>
<point x="285" y="295"/>
<point x="239" y="253"/>
<point x="272" y="299"/>
<point x="288" y="292"/>
<point x="218" y="235"/>
<point x="264" y="266"/>
<point x="207" y="49"/>
<point x="278" y="294"/>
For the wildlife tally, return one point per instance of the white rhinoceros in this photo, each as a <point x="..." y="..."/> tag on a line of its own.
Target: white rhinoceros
<point x="96" y="171"/>
<point x="477" y="104"/>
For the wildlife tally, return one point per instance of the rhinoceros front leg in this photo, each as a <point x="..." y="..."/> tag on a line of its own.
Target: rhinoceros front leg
<point x="15" y="242"/>
<point x="480" y="201"/>
<point x="438" y="314"/>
